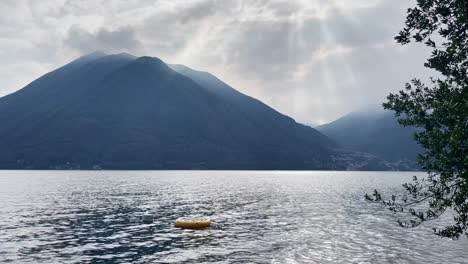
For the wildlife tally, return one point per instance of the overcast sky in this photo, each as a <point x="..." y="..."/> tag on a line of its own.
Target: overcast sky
<point x="313" y="60"/>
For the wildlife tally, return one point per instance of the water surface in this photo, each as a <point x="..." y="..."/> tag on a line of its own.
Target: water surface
<point x="259" y="217"/>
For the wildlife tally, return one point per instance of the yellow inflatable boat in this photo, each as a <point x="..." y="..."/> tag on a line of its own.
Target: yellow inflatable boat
<point x="193" y="223"/>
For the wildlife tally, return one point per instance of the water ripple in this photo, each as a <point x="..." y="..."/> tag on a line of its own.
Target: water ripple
<point x="258" y="217"/>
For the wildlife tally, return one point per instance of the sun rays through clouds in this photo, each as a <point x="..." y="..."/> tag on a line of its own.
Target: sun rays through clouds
<point x="311" y="59"/>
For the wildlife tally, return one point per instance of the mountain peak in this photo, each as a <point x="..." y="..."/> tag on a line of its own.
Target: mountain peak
<point x="152" y="63"/>
<point x="93" y="55"/>
<point x="88" y="58"/>
<point x="149" y="60"/>
<point x="126" y="55"/>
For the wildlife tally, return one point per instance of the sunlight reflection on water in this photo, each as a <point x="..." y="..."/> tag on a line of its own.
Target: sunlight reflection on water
<point x="260" y="217"/>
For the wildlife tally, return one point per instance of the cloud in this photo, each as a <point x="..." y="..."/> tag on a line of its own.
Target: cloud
<point x="313" y="60"/>
<point x="123" y="39"/>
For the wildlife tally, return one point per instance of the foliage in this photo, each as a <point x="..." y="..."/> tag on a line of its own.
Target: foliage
<point x="440" y="111"/>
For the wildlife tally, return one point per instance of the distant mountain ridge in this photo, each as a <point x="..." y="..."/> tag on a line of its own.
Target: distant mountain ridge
<point x="124" y="112"/>
<point x="376" y="132"/>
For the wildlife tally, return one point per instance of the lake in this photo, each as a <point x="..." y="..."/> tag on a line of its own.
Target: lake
<point x="258" y="217"/>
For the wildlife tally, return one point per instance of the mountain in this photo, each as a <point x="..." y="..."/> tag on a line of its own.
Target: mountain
<point x="376" y="132"/>
<point x="254" y="110"/>
<point x="123" y="112"/>
<point x="352" y="160"/>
